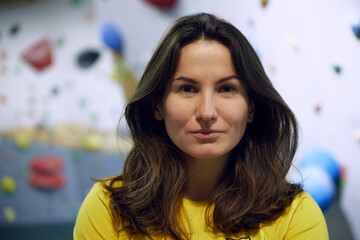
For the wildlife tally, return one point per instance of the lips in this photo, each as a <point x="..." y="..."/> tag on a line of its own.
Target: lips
<point x="206" y="134"/>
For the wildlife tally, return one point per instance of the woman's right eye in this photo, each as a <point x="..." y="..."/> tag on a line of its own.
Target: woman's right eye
<point x="187" y="89"/>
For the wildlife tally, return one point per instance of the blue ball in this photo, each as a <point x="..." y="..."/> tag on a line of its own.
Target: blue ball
<point x="324" y="161"/>
<point x="319" y="185"/>
<point x="112" y="38"/>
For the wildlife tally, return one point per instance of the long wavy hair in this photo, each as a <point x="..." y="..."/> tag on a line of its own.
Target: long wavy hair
<point x="253" y="189"/>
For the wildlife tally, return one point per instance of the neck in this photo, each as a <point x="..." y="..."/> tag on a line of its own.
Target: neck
<point x="203" y="176"/>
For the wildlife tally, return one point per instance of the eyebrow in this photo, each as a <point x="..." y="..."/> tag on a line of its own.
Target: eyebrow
<point x="190" y="80"/>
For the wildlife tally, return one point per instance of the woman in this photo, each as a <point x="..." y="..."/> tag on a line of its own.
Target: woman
<point x="213" y="142"/>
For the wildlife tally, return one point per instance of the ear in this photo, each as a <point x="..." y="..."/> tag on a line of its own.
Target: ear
<point x="156" y="108"/>
<point x="251" y="111"/>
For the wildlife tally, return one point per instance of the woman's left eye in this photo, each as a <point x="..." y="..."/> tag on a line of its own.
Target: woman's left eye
<point x="227" y="89"/>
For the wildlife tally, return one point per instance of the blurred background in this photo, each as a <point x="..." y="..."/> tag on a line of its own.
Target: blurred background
<point x="68" y="67"/>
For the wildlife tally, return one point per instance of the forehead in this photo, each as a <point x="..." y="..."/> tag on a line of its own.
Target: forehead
<point x="206" y="59"/>
<point x="204" y="48"/>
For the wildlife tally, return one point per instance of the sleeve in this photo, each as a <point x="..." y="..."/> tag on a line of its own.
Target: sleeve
<point x="307" y="221"/>
<point x="94" y="220"/>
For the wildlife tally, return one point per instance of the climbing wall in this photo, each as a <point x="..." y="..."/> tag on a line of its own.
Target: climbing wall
<point x="31" y="197"/>
<point x="67" y="69"/>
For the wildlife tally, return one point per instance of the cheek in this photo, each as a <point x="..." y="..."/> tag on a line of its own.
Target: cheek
<point x="236" y="110"/>
<point x="175" y="116"/>
<point x="236" y="113"/>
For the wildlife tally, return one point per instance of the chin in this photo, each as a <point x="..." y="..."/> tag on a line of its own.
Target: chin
<point x="207" y="155"/>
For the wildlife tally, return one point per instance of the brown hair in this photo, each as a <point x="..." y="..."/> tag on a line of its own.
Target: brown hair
<point x="253" y="190"/>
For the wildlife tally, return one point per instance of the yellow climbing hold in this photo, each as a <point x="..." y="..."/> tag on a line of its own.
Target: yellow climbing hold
<point x="9" y="214"/>
<point x="22" y="141"/>
<point x="264" y="3"/>
<point x="92" y="142"/>
<point x="8" y="184"/>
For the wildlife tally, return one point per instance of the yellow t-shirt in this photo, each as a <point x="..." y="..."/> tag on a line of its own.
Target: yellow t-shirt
<point x="303" y="219"/>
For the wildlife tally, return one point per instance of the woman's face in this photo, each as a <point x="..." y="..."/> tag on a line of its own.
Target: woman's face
<point x="205" y="107"/>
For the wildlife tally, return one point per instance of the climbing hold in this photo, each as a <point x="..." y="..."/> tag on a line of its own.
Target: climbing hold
<point x="356" y="30"/>
<point x="112" y="37"/>
<point x="343" y="177"/>
<point x="92" y="142"/>
<point x="271" y="66"/>
<point x="9" y="214"/>
<point x="22" y="141"/>
<point x="337" y="68"/>
<point x="94" y="118"/>
<point x="82" y="103"/>
<point x="14" y="29"/>
<point x="123" y="69"/>
<point x="46" y="164"/>
<point x="47" y="182"/>
<point x="39" y="55"/>
<point x="317" y="107"/>
<point x="46" y="172"/>
<point x="3" y="98"/>
<point x="264" y="3"/>
<point x="163" y="4"/>
<point x="55" y="91"/>
<point x="89" y="17"/>
<point x="60" y="41"/>
<point x="8" y="185"/>
<point x="3" y="55"/>
<point x="76" y="3"/>
<point x="88" y="58"/>
<point x="77" y="155"/>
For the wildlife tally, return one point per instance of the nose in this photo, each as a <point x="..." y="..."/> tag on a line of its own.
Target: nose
<point x="206" y="110"/>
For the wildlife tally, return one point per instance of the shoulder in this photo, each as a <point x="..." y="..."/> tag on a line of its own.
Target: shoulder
<point x="99" y="188"/>
<point x="303" y="203"/>
<point x="96" y="217"/>
<point x="303" y="219"/>
<point x="99" y="194"/>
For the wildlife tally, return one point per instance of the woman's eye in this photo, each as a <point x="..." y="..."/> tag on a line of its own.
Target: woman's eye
<point x="188" y="89"/>
<point x="227" y="89"/>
